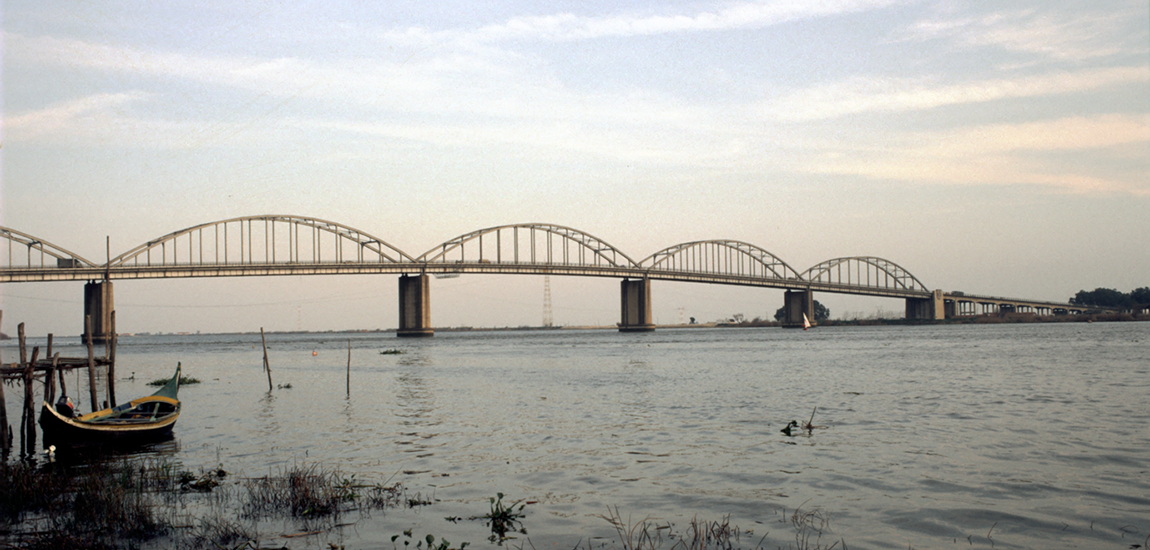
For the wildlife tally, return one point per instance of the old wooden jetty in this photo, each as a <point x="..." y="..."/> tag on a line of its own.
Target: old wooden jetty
<point x="48" y="370"/>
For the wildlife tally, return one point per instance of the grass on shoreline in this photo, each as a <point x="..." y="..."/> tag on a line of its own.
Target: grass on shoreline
<point x="134" y="502"/>
<point x="127" y="502"/>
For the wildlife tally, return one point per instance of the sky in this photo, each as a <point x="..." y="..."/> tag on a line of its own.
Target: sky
<point x="997" y="148"/>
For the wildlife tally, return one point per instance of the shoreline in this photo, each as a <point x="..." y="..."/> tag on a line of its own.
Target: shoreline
<point x="1010" y="318"/>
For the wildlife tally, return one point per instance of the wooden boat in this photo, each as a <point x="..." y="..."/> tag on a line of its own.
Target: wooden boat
<point x="146" y="418"/>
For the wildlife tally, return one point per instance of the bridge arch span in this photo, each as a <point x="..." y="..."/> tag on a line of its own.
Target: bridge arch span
<point x="723" y="258"/>
<point x="263" y="240"/>
<point x="528" y="244"/>
<point x="864" y="272"/>
<point x="39" y="253"/>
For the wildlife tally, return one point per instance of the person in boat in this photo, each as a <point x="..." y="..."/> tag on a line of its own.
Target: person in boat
<point x="65" y="407"/>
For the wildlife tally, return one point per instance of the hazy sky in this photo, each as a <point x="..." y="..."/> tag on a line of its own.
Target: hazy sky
<point x="992" y="147"/>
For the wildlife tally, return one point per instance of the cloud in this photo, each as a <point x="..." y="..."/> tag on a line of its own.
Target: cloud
<point x="1009" y="154"/>
<point x="449" y="100"/>
<point x="1063" y="36"/>
<point x="864" y="95"/>
<point x="1071" y="133"/>
<point x="570" y="27"/>
<point x="69" y="114"/>
<point x="276" y="75"/>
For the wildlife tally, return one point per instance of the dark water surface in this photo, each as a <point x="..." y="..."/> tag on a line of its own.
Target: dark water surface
<point x="1003" y="436"/>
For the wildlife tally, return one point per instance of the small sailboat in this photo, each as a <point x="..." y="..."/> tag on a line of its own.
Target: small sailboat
<point x="806" y="322"/>
<point x="145" y="418"/>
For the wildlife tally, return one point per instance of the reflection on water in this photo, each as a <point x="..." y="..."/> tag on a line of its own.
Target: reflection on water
<point x="415" y="406"/>
<point x="165" y="446"/>
<point x="1032" y="434"/>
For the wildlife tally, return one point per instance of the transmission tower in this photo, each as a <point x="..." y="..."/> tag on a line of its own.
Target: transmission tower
<point x="547" y="320"/>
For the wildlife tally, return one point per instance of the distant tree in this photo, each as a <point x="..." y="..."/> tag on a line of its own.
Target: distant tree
<point x="1104" y="297"/>
<point x="821" y="313"/>
<point x="1141" y="296"/>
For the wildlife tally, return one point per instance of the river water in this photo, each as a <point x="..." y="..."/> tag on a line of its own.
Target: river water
<point x="1003" y="436"/>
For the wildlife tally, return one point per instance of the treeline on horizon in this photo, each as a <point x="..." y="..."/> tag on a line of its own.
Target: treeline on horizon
<point x="1108" y="297"/>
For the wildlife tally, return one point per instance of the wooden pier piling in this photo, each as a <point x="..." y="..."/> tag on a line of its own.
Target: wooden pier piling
<point x="28" y="370"/>
<point x="5" y="434"/>
<point x="91" y="364"/>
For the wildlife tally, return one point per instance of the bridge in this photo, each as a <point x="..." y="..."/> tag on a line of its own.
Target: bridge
<point x="269" y="245"/>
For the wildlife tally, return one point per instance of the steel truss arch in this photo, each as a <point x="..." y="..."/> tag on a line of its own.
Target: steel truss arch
<point x="534" y="244"/>
<point x="263" y="240"/>
<point x="721" y="257"/>
<point x="60" y="257"/>
<point x="864" y="272"/>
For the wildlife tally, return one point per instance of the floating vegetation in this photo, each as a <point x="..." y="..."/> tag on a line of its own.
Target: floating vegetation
<point x="505" y="518"/>
<point x="431" y="541"/>
<point x="184" y="381"/>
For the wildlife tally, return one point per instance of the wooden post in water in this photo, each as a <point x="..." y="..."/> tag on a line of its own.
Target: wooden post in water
<point x="50" y="380"/>
<point x="267" y="366"/>
<point x="63" y="385"/>
<point x="29" y="435"/>
<point x="91" y="363"/>
<point x="349" y="367"/>
<point x="111" y="354"/>
<point x="23" y="357"/>
<point x="24" y="408"/>
<point x="23" y="344"/>
<point x="4" y="433"/>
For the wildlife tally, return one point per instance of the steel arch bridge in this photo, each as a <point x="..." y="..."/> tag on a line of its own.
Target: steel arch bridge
<point x="268" y="245"/>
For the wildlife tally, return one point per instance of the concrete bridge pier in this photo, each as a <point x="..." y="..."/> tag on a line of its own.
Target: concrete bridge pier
<point x="98" y="305"/>
<point x="933" y="308"/>
<point x="636" y="306"/>
<point x="951" y="309"/>
<point x="414" y="306"/>
<point x="795" y="304"/>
